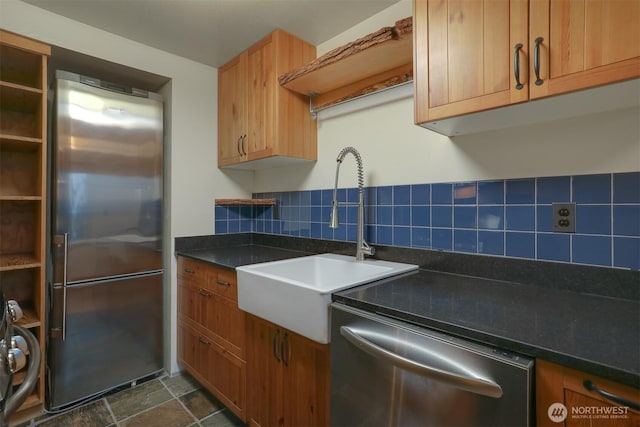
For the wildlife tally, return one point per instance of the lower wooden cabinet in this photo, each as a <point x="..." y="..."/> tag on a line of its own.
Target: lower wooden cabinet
<point x="211" y="331"/>
<point x="289" y="377"/>
<point x="562" y="398"/>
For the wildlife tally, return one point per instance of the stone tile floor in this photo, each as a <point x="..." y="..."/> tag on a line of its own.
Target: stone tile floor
<point x="177" y="401"/>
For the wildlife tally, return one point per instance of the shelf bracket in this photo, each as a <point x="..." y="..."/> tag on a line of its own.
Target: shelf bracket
<point x="312" y="109"/>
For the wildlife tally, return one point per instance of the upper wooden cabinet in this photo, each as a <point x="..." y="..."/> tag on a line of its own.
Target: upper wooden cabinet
<point x="257" y="118"/>
<point x="474" y="55"/>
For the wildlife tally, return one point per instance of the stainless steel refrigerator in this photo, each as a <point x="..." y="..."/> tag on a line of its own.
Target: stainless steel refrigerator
<point x="105" y="295"/>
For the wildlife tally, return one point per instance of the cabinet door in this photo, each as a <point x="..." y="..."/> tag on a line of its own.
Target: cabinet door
<point x="264" y="373"/>
<point x="232" y="111"/>
<point x="559" y="384"/>
<point x="262" y="99"/>
<point x="464" y="56"/>
<point x="306" y="381"/>
<point x="585" y="43"/>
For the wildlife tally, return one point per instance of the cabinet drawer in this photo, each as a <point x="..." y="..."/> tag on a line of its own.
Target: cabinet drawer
<point x="192" y="271"/>
<point x="222" y="373"/>
<point x="223" y="282"/>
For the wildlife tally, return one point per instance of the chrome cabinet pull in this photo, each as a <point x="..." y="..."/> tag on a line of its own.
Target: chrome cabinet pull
<point x="536" y="60"/>
<point x="464" y="382"/>
<point x="516" y="65"/>
<point x="222" y="283"/>
<point x="590" y="385"/>
<point x="204" y="293"/>
<point x="188" y="271"/>
<point x="274" y="345"/>
<point x="203" y="341"/>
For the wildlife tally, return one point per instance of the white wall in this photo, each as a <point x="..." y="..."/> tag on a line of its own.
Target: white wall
<point x="395" y="151"/>
<point x="193" y="180"/>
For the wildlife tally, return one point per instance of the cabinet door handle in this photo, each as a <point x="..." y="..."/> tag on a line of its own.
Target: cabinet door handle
<point x="238" y="144"/>
<point x="243" y="139"/>
<point x="222" y="283"/>
<point x="589" y="385"/>
<point x="188" y="271"/>
<point x="203" y="341"/>
<point x="274" y="345"/>
<point x="516" y="65"/>
<point x="204" y="293"/>
<point x="285" y="349"/>
<point x="536" y="60"/>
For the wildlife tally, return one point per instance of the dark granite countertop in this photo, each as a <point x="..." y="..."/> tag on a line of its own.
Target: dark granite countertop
<point x="235" y="256"/>
<point x="588" y="332"/>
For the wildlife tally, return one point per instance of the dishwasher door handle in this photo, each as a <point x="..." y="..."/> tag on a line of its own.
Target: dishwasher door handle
<point x="464" y="382"/>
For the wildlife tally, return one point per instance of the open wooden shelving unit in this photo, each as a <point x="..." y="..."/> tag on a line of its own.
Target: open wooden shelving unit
<point x="23" y="152"/>
<point x="377" y="61"/>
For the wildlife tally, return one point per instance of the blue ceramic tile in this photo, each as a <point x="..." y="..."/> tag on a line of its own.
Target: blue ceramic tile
<point x="326" y="232"/>
<point x="626" y="252"/>
<point x="294" y="198"/>
<point x="221" y="227"/>
<point x="626" y="220"/>
<point x="384" y="195"/>
<point x="491" y="192"/>
<point x="352" y="232"/>
<point x="276" y="227"/>
<point x="305" y="231"/>
<point x="594" y="250"/>
<point x="402" y="195"/>
<point x="464" y="217"/>
<point x="491" y="242"/>
<point x="316" y="197"/>
<point x="441" y="238"/>
<point x="384" y="215"/>
<point x="521" y="218"/>
<point x="245" y="225"/>
<point x="626" y="187"/>
<point x="326" y="197"/>
<point x="544" y="218"/>
<point x="220" y="213"/>
<point x="592" y="189"/>
<point x="305" y="198"/>
<point x="441" y="216"/>
<point x="316" y="230"/>
<point x="402" y="236"/>
<point x="520" y="191"/>
<point x="593" y="219"/>
<point x="441" y="194"/>
<point x="491" y="217"/>
<point x="233" y="212"/>
<point x="258" y="226"/>
<point x="352" y="214"/>
<point x="554" y="190"/>
<point x="305" y="213"/>
<point x="520" y="245"/>
<point x="340" y="233"/>
<point x="384" y="235"/>
<point x="233" y="226"/>
<point x="465" y="241"/>
<point x="370" y="196"/>
<point x="421" y="194"/>
<point x="371" y="233"/>
<point x="402" y="215"/>
<point x="465" y="193"/>
<point x="420" y="237"/>
<point x="325" y="214"/>
<point x="353" y="195"/>
<point x="268" y="226"/>
<point x="420" y="216"/>
<point x="316" y="214"/>
<point x="554" y="247"/>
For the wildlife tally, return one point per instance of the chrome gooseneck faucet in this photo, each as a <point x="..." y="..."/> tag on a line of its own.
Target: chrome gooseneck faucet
<point x="362" y="248"/>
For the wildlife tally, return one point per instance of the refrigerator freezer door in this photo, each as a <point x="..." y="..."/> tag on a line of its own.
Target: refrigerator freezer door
<point x="114" y="336"/>
<point x="108" y="181"/>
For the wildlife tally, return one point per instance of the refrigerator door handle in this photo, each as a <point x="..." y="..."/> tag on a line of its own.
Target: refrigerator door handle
<point x="63" y="240"/>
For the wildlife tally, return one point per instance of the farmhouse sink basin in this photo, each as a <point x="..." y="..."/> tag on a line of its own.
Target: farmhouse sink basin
<point x="296" y="293"/>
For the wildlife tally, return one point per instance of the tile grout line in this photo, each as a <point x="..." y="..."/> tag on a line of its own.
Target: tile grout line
<point x="113" y="415"/>
<point x="174" y="396"/>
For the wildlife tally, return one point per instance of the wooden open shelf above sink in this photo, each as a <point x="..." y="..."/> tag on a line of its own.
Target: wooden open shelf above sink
<point x="376" y="61"/>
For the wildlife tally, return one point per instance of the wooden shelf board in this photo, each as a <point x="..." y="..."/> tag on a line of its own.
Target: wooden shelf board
<point x="227" y="202"/>
<point x="18" y="261"/>
<point x="20" y="87"/>
<point x="30" y="318"/>
<point x="369" y="56"/>
<point x="21" y="198"/>
<point x="16" y="141"/>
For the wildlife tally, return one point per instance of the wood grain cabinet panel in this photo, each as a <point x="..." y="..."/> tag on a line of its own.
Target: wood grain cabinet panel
<point x="582" y="407"/>
<point x="257" y="118"/>
<point x="475" y="55"/>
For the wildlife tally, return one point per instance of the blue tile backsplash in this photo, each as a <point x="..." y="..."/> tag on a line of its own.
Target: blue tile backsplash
<point x="511" y="218"/>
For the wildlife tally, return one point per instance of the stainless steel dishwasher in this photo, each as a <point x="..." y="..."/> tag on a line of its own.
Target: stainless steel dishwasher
<point x="385" y="372"/>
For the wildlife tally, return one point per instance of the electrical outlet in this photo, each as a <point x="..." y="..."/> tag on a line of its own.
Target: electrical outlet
<point x="564" y="217"/>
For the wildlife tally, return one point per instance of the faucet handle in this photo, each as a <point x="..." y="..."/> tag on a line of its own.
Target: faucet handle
<point x="367" y="250"/>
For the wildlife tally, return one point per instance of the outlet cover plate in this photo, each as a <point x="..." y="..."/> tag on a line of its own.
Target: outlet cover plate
<point x="564" y="217"/>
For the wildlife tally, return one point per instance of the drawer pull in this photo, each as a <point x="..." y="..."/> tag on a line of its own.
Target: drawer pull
<point x="589" y="385"/>
<point x="222" y="283"/>
<point x="203" y="341"/>
<point x="204" y="293"/>
<point x="188" y="271"/>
